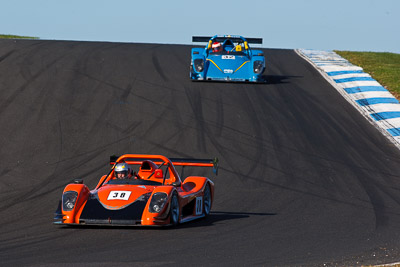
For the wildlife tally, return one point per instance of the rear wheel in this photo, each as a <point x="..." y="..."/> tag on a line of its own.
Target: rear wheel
<point x="174" y="211"/>
<point x="207" y="200"/>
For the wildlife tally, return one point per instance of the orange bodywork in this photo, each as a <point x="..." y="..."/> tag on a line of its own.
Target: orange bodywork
<point x="143" y="200"/>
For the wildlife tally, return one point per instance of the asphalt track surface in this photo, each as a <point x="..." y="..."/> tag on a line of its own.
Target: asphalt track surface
<point x="304" y="180"/>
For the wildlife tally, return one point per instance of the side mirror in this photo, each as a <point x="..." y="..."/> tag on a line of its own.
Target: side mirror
<point x="176" y="184"/>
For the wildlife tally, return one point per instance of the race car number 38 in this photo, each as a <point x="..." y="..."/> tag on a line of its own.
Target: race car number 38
<point x="123" y="195"/>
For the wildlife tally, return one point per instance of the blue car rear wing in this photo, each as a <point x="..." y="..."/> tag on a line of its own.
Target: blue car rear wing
<point x="205" y="39"/>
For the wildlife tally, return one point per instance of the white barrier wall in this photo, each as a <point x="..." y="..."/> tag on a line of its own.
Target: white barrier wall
<point x="376" y="103"/>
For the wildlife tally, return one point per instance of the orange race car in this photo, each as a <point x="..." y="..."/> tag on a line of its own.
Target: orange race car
<point x="152" y="196"/>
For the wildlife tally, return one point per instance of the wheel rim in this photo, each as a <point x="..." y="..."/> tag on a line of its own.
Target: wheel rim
<point x="207" y="200"/>
<point x="174" y="210"/>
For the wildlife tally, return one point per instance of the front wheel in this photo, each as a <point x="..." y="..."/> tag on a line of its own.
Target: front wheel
<point x="207" y="200"/>
<point x="174" y="211"/>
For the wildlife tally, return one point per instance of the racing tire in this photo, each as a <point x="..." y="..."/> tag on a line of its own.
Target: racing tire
<point x="174" y="210"/>
<point x="207" y="200"/>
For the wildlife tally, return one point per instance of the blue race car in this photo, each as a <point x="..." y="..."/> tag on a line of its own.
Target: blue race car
<point x="227" y="58"/>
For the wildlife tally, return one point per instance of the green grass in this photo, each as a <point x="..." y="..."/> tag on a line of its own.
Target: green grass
<point x="383" y="67"/>
<point x="9" y="36"/>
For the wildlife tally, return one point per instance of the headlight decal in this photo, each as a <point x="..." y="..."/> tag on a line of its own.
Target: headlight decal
<point x="258" y="66"/>
<point x="158" y="202"/>
<point x="199" y="64"/>
<point x="69" y="200"/>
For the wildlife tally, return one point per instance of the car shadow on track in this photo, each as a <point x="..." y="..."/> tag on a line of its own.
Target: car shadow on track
<point x="278" y="79"/>
<point x="266" y="79"/>
<point x="213" y="217"/>
<point x="217" y="216"/>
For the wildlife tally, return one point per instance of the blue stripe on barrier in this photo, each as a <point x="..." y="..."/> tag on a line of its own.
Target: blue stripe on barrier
<point x="394" y="131"/>
<point x="323" y="64"/>
<point x="330" y="61"/>
<point x="378" y="116"/>
<point x="354" y="79"/>
<point x="334" y="73"/>
<point x="385" y="115"/>
<point x="359" y="89"/>
<point x="377" y="100"/>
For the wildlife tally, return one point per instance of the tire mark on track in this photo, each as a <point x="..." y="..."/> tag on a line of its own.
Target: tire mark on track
<point x="42" y="189"/>
<point x="158" y="67"/>
<point x="220" y="116"/>
<point x="119" y="93"/>
<point x="245" y="98"/>
<point x="161" y="122"/>
<point x="183" y="57"/>
<point x="376" y="200"/>
<point x="303" y="104"/>
<point x="6" y="55"/>
<point x="22" y="88"/>
<point x="194" y="98"/>
<point x="170" y="115"/>
<point x="205" y="131"/>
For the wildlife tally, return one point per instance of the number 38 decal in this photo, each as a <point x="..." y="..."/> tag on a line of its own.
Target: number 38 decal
<point x="124" y="195"/>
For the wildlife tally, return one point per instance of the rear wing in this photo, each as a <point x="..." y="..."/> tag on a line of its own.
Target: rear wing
<point x="196" y="162"/>
<point x="205" y="39"/>
<point x="201" y="39"/>
<point x="175" y="161"/>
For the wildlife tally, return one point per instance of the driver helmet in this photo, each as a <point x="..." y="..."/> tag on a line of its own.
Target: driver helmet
<point x="122" y="171"/>
<point x="216" y="46"/>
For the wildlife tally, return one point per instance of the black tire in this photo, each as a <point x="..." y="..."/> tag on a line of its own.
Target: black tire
<point x="174" y="210"/>
<point x="207" y="200"/>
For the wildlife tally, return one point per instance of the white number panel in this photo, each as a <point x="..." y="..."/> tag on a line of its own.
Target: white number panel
<point x="199" y="205"/>
<point x="228" y="57"/>
<point x="123" y="195"/>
